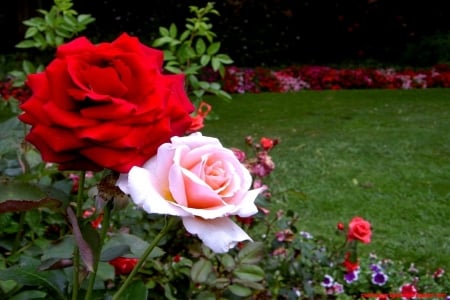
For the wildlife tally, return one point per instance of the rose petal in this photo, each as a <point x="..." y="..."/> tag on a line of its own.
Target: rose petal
<point x="219" y="234"/>
<point x="145" y="194"/>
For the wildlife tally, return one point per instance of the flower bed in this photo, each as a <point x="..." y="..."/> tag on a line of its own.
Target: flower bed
<point x="239" y="80"/>
<point x="296" y="78"/>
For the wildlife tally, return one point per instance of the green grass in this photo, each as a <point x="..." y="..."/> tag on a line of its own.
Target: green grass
<point x="380" y="154"/>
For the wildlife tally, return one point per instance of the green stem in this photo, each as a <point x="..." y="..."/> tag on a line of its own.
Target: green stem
<point x="153" y="244"/>
<point x="76" y="253"/>
<point x="19" y="232"/>
<point x="103" y="232"/>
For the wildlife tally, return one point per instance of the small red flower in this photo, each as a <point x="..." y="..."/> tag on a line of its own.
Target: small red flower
<point x="123" y="265"/>
<point x="96" y="223"/>
<point x="349" y="265"/>
<point x="438" y="273"/>
<point x="340" y="226"/>
<point x="266" y="143"/>
<point x="408" y="291"/>
<point x="176" y="258"/>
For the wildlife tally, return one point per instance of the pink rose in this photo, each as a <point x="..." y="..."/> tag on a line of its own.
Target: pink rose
<point x="196" y="178"/>
<point x="359" y="229"/>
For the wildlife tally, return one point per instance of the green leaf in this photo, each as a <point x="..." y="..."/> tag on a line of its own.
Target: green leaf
<point x="227" y="261"/>
<point x="29" y="295"/>
<point x="28" y="67"/>
<point x="135" y="291"/>
<point x="112" y="252"/>
<point x="249" y="272"/>
<point x="161" y="41"/>
<point x="26" y="44"/>
<point x="240" y="290"/>
<point x="201" y="270"/>
<point x="173" y="69"/>
<point x="200" y="47"/>
<point x="213" y="48"/>
<point x="105" y="271"/>
<point x="85" y="19"/>
<point x="225" y="59"/>
<point x="252" y="253"/>
<point x="136" y="244"/>
<point x="26" y="273"/>
<point x="185" y="35"/>
<point x="30" y="32"/>
<point x="204" y="60"/>
<point x="173" y="30"/>
<point x="60" y="249"/>
<point x="71" y="21"/>
<point x="215" y="63"/>
<point x="164" y="31"/>
<point x="204" y="85"/>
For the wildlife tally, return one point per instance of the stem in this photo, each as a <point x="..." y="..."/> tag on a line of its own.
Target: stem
<point x="103" y="232"/>
<point x="153" y="244"/>
<point x="76" y="253"/>
<point x="19" y="233"/>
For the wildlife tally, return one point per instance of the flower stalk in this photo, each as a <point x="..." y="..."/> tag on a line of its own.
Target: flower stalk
<point x="76" y="254"/>
<point x="103" y="232"/>
<point x="167" y="225"/>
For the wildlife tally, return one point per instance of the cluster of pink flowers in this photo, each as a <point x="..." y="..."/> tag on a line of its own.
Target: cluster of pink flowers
<point x="295" y="78"/>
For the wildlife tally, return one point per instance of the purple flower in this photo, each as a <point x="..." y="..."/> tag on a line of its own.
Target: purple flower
<point x="379" y="278"/>
<point x="375" y="268"/>
<point x="350" y="277"/>
<point x="338" y="288"/>
<point x="327" y="281"/>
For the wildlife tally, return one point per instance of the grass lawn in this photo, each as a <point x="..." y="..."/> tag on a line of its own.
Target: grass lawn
<point x="380" y="154"/>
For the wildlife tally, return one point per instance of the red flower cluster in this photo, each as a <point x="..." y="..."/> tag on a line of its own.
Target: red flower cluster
<point x="294" y="78"/>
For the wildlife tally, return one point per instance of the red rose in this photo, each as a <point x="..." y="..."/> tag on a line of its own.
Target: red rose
<point x="359" y="229"/>
<point x="104" y="106"/>
<point x="123" y="265"/>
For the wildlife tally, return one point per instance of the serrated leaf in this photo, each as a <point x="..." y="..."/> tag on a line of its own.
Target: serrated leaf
<point x="227" y="261"/>
<point x="200" y="47"/>
<point x="249" y="272"/>
<point x="26" y="273"/>
<point x="136" y="244"/>
<point x="201" y="270"/>
<point x="85" y="19"/>
<point x="29" y="295"/>
<point x="105" y="271"/>
<point x="163" y="31"/>
<point x="213" y="48"/>
<point x="215" y="63"/>
<point x="26" y="44"/>
<point x="60" y="249"/>
<point x="135" y="291"/>
<point x="204" y="59"/>
<point x="240" y="290"/>
<point x="30" y="32"/>
<point x="161" y="41"/>
<point x="252" y="253"/>
<point x="172" y="69"/>
<point x="221" y="283"/>
<point x="225" y="59"/>
<point x="28" y="67"/>
<point x="112" y="252"/>
<point x="173" y="30"/>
